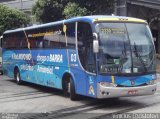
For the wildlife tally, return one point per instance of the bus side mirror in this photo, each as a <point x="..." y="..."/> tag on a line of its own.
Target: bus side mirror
<point x="95" y="43"/>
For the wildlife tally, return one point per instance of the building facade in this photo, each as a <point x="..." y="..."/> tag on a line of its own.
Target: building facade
<point x="145" y="9"/>
<point x="23" y="5"/>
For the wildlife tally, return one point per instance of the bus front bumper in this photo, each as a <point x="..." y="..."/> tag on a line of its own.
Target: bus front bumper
<point x="111" y="92"/>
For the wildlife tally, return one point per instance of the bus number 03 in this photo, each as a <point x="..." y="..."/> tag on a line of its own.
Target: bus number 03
<point x="73" y="57"/>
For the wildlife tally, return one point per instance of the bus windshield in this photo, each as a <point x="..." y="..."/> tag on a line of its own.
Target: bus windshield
<point x="125" y="48"/>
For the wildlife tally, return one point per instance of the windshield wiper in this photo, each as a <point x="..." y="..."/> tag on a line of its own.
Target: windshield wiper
<point x="140" y="58"/>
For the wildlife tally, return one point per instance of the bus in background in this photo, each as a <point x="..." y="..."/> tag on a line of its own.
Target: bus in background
<point x="95" y="56"/>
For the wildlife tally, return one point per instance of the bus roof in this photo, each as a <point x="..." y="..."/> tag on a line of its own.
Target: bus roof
<point x="90" y="19"/>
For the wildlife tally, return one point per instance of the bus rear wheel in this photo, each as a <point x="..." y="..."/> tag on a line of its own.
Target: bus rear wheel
<point x="17" y="76"/>
<point x="69" y="89"/>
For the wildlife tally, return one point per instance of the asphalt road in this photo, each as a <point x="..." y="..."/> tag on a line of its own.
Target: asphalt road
<point x="37" y="102"/>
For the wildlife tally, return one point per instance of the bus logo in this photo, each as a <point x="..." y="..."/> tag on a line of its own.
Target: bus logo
<point x="91" y="90"/>
<point x="132" y="83"/>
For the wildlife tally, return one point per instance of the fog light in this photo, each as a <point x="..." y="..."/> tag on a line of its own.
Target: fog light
<point x="103" y="93"/>
<point x="154" y="90"/>
<point x="107" y="93"/>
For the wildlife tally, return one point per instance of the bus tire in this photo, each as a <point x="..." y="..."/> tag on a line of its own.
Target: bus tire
<point x="69" y="87"/>
<point x="17" y="76"/>
<point x="73" y="95"/>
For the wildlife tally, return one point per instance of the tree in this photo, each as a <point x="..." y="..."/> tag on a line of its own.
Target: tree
<point x="54" y="10"/>
<point x="73" y="9"/>
<point x="97" y="7"/>
<point x="11" y="19"/>
<point x="48" y="10"/>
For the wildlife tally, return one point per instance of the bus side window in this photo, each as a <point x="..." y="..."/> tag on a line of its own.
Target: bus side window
<point x="46" y="43"/>
<point x="32" y="43"/>
<point x="5" y="43"/>
<point x="39" y="42"/>
<point x="10" y="42"/>
<point x="52" y="40"/>
<point x="24" y="43"/>
<point x="70" y="35"/>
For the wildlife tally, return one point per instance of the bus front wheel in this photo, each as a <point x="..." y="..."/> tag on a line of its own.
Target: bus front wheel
<point x="69" y="88"/>
<point x="17" y="76"/>
<point x="73" y="95"/>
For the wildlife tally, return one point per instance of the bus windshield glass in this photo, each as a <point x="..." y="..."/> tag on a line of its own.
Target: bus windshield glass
<point x="125" y="48"/>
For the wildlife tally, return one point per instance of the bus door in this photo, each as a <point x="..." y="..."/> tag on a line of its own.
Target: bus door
<point x="87" y="78"/>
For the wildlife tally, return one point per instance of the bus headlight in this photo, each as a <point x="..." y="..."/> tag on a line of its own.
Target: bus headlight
<point x="107" y="84"/>
<point x="151" y="82"/>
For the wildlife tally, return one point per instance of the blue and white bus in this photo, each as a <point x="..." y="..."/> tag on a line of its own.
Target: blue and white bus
<point x="95" y="56"/>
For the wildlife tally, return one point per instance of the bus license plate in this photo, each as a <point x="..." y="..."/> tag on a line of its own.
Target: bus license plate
<point x="132" y="92"/>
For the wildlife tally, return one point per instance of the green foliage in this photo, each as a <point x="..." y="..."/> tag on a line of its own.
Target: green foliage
<point x="48" y="10"/>
<point x="98" y="7"/>
<point x="11" y="19"/>
<point x="53" y="10"/>
<point x="73" y="9"/>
